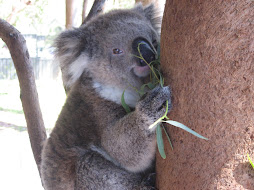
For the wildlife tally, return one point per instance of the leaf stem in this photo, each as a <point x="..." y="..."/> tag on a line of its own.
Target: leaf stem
<point x="141" y="57"/>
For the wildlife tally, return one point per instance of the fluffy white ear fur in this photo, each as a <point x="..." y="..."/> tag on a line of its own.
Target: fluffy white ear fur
<point x="72" y="72"/>
<point x="114" y="94"/>
<point x="76" y="69"/>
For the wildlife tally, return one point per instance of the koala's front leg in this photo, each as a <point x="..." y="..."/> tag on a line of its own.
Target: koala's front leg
<point x="129" y="141"/>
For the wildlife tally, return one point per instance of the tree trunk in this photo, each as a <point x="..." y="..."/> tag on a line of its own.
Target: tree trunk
<point x="207" y="55"/>
<point x="69" y="13"/>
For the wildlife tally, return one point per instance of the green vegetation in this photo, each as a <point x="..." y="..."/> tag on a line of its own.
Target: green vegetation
<point x="12" y="110"/>
<point x="252" y="164"/>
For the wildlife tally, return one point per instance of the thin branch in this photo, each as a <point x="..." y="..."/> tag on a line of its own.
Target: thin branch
<point x="85" y="3"/>
<point x="17" y="8"/>
<point x="28" y="93"/>
<point x="97" y="8"/>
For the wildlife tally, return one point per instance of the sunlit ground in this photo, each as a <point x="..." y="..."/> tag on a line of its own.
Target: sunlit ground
<point x="18" y="170"/>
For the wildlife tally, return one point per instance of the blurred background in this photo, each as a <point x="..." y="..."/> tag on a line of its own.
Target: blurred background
<point x="40" y="21"/>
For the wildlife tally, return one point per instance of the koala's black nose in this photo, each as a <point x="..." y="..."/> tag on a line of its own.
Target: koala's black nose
<point x="142" y="47"/>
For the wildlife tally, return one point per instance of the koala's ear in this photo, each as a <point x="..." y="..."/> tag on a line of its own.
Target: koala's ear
<point x="66" y="44"/>
<point x="150" y="12"/>
<point x="70" y="56"/>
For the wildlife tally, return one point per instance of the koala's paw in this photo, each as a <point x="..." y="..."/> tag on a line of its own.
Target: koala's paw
<point x="153" y="105"/>
<point x="150" y="180"/>
<point x="147" y="188"/>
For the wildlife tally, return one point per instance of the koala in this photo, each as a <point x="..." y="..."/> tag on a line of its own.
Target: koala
<point x="95" y="144"/>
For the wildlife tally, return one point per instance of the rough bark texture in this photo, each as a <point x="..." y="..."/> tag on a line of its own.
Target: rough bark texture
<point x="28" y="93"/>
<point x="207" y="55"/>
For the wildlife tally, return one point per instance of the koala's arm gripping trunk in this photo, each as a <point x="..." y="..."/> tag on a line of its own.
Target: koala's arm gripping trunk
<point x="130" y="142"/>
<point x="28" y="93"/>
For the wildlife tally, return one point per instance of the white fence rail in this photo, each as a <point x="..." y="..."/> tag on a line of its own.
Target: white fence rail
<point x="40" y="53"/>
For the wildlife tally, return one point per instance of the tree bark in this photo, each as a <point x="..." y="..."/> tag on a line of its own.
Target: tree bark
<point x="69" y="13"/>
<point x="207" y="55"/>
<point x="84" y="10"/>
<point x="96" y="9"/>
<point x="28" y="93"/>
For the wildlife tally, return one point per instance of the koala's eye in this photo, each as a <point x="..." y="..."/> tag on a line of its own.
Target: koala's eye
<point x="117" y="51"/>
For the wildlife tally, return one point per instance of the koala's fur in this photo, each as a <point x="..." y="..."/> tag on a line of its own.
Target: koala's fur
<point x="95" y="145"/>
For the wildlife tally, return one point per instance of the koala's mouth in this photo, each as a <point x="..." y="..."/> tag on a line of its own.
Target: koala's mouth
<point x="141" y="71"/>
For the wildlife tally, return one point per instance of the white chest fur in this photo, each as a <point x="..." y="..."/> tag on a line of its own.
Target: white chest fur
<point x="115" y="93"/>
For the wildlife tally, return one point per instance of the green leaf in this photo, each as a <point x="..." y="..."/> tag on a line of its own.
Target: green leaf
<point x="182" y="126"/>
<point x="161" y="80"/>
<point x="125" y="106"/>
<point x="141" y="92"/>
<point x="160" y="142"/>
<point x="150" y="85"/>
<point x="250" y="161"/>
<point x="168" y="137"/>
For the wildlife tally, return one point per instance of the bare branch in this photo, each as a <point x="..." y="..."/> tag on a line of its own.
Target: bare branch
<point x="84" y="10"/>
<point x="28" y="93"/>
<point x="95" y="10"/>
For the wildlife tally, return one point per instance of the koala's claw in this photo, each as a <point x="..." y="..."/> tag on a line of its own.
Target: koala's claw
<point x="154" y="104"/>
<point x="150" y="180"/>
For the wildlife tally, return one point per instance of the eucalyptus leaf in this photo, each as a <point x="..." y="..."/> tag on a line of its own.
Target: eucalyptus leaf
<point x="160" y="141"/>
<point x="252" y="164"/>
<point x="167" y="136"/>
<point x="161" y="80"/>
<point x="182" y="126"/>
<point x="141" y="92"/>
<point x="125" y="106"/>
<point x="150" y="85"/>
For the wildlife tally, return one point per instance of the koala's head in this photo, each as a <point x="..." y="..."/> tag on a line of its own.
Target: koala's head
<point x="105" y="48"/>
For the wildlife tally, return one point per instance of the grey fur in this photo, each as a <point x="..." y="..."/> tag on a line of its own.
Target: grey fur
<point x="95" y="145"/>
